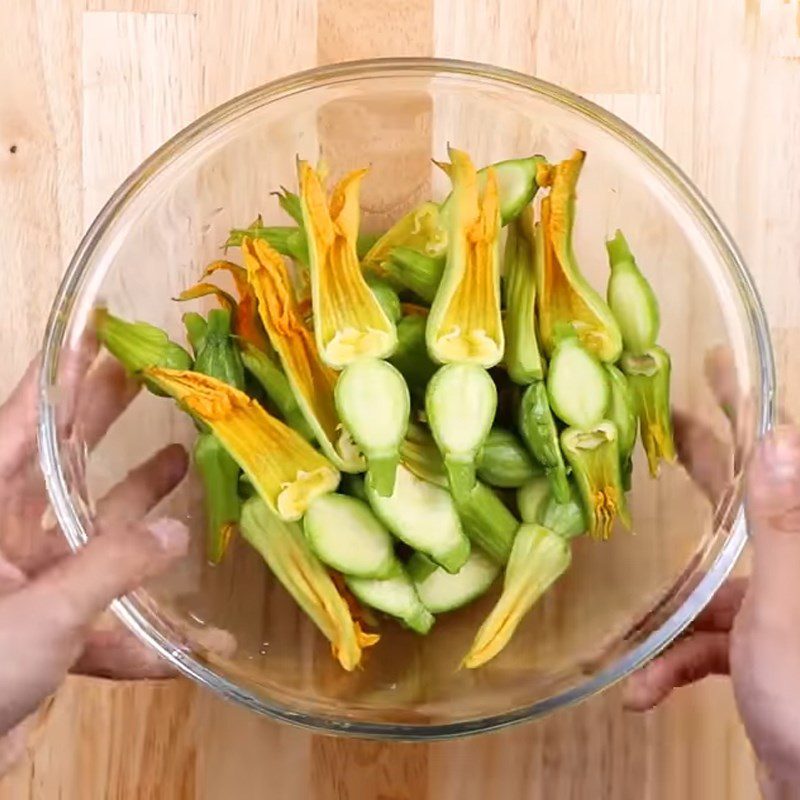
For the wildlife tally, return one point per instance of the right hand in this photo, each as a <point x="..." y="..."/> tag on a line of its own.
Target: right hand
<point x="751" y="629"/>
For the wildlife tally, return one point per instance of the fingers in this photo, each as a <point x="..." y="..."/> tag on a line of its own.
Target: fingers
<point x="688" y="661"/>
<point x="109" y="566"/>
<point x="18" y="424"/>
<point x="18" y="415"/>
<point x="720" y="613"/>
<point x="118" y="654"/>
<point x="144" y="487"/>
<point x="128" y="501"/>
<point x="707" y="459"/>
<point x="44" y="623"/>
<point x="720" y="370"/>
<point x="773" y="512"/>
<point x="105" y="393"/>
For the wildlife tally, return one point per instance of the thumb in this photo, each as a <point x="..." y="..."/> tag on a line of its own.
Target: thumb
<point x="773" y="512"/>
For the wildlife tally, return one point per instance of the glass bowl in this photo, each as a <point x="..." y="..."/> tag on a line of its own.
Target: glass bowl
<point x="622" y="601"/>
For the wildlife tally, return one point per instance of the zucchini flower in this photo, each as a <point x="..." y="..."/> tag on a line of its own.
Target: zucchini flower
<point x="216" y="355"/>
<point x="622" y="412"/>
<point x="276" y="387"/>
<point x="631" y="299"/>
<point x="286" y="239"/>
<point x="518" y="181"/>
<point x="283" y="467"/>
<point x="565" y="296"/>
<point x="138" y="345"/>
<point x="411" y="357"/>
<point x="312" y="381"/>
<point x="465" y="323"/>
<point x="219" y="474"/>
<point x="594" y="458"/>
<point x="538" y="558"/>
<point x="418" y="231"/>
<point x="245" y="322"/>
<point x="349" y="322"/>
<point x="523" y="360"/>
<point x="538" y="429"/>
<point x="415" y="271"/>
<point x="648" y="377"/>
<point x="504" y="462"/>
<point x="538" y="506"/>
<point x="282" y="545"/>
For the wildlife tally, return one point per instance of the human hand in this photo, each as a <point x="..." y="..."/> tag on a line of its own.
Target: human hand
<point x="48" y="598"/>
<point x="749" y="630"/>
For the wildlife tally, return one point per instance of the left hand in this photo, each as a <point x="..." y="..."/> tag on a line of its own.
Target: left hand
<point x="49" y="598"/>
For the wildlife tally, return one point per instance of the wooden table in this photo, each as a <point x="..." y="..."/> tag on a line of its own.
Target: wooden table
<point x="92" y="86"/>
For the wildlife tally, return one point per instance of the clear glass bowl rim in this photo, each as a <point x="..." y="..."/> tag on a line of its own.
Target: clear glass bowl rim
<point x="125" y="608"/>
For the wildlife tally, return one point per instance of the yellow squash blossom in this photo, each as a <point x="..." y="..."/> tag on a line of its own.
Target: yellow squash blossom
<point x="420" y="230"/>
<point x="538" y="558"/>
<point x="285" y="549"/>
<point x="594" y="456"/>
<point x="245" y="320"/>
<point x="284" y="468"/>
<point x="565" y="297"/>
<point x="465" y="323"/>
<point x="312" y="381"/>
<point x="349" y="322"/>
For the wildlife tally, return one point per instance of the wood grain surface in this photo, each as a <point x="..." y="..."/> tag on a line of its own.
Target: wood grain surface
<point x="90" y="87"/>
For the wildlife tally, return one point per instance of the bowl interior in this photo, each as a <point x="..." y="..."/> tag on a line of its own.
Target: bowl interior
<point x="621" y="599"/>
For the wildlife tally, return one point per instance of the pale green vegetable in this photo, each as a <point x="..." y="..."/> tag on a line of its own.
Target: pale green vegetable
<point x="274" y="382"/>
<point x="540" y="433"/>
<point x="522" y="359"/>
<point x="505" y="462"/>
<point x="396" y="596"/>
<point x="440" y="591"/>
<point x="424" y="516"/>
<point x="373" y="403"/>
<point x="487" y="522"/>
<point x="460" y="404"/>
<point x="537" y="505"/>
<point x="577" y="385"/>
<point x="622" y="412"/>
<point x="416" y="271"/>
<point x="631" y="299"/>
<point x="387" y="297"/>
<point x="346" y="535"/>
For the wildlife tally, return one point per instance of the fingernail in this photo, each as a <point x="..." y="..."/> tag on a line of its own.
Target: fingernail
<point x="173" y="536"/>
